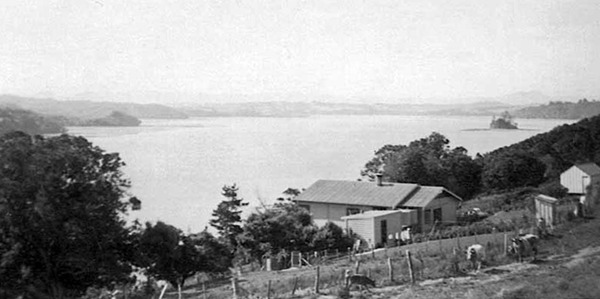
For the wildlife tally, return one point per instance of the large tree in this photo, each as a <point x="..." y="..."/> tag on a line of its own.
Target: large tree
<point x="427" y="161"/>
<point x="284" y="226"/>
<point x="62" y="202"/>
<point x="170" y="255"/>
<point x="227" y="217"/>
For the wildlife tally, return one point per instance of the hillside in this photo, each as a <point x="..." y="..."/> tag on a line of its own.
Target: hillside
<point x="561" y="110"/>
<point x="29" y="122"/>
<point x="88" y="110"/>
<point x="561" y="147"/>
<point x="300" y="109"/>
<point x="115" y="119"/>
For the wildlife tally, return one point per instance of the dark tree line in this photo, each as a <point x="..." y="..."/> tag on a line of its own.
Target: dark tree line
<point x="428" y="161"/>
<point x="538" y="160"/>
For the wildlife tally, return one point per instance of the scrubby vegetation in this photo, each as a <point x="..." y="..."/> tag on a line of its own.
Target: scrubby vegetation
<point x="562" y="110"/>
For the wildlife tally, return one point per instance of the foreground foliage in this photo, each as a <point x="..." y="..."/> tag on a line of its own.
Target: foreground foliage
<point x="62" y="202"/>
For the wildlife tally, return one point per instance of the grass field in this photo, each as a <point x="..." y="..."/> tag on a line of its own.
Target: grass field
<point x="569" y="267"/>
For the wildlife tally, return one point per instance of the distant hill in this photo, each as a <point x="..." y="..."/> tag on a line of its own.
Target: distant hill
<point x="561" y="110"/>
<point x="115" y="119"/>
<point x="87" y="110"/>
<point x="29" y="122"/>
<point x="299" y="109"/>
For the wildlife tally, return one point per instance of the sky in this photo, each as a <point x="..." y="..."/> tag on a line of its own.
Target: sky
<point x="394" y="49"/>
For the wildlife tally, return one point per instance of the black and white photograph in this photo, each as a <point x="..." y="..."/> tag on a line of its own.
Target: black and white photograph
<point x="299" y="149"/>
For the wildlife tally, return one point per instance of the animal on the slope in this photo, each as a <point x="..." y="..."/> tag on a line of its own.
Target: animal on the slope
<point x="476" y="255"/>
<point x="526" y="245"/>
<point x="360" y="280"/>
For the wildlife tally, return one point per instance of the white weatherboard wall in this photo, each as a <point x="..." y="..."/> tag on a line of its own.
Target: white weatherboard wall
<point x="368" y="225"/>
<point x="449" y="206"/>
<point x="576" y="180"/>
<point x="324" y="212"/>
<point x="545" y="207"/>
<point x="364" y="227"/>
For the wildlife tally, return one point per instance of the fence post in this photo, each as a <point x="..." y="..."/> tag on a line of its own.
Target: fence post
<point x="410" y="267"/>
<point x="373" y="252"/>
<point x="390" y="269"/>
<point x="204" y="290"/>
<point x="295" y="285"/>
<point x="356" y="267"/>
<point x="234" y="287"/>
<point x="269" y="290"/>
<point x="505" y="248"/>
<point x="317" y="280"/>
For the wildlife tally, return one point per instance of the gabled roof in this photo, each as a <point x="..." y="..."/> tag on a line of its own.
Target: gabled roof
<point x="590" y="168"/>
<point x="425" y="195"/>
<point x="357" y="193"/>
<point x="389" y="195"/>
<point x="373" y="214"/>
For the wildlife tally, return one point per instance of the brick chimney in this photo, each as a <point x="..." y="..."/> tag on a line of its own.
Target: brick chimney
<point x="379" y="179"/>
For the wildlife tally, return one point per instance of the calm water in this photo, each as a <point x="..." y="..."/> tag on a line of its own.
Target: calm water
<point x="178" y="167"/>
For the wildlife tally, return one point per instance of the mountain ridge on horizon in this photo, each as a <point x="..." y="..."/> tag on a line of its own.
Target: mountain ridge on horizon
<point x="273" y="107"/>
<point x="178" y="99"/>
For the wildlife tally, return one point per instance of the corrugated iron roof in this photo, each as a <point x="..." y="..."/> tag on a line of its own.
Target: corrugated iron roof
<point x="424" y="196"/>
<point x="547" y="198"/>
<point x="589" y="168"/>
<point x="373" y="214"/>
<point x="388" y="195"/>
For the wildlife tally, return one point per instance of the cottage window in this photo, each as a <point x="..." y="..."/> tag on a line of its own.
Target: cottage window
<point x="437" y="215"/>
<point x="352" y="211"/>
<point x="427" y="216"/>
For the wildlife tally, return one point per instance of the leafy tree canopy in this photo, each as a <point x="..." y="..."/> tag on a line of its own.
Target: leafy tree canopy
<point x="512" y="170"/>
<point x="169" y="255"/>
<point x="285" y="226"/>
<point x="62" y="202"/>
<point x="427" y="161"/>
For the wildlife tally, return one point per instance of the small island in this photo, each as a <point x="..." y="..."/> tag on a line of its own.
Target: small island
<point x="504" y="121"/>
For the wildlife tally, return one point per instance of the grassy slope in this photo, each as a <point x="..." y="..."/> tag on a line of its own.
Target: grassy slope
<point x="569" y="267"/>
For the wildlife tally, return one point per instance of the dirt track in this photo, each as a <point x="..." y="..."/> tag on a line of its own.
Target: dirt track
<point x="479" y="285"/>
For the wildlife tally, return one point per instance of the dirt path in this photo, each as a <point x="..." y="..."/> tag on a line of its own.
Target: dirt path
<point x="475" y="285"/>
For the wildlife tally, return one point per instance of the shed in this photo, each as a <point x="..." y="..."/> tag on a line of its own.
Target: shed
<point x="545" y="207"/>
<point x="577" y="178"/>
<point x="378" y="227"/>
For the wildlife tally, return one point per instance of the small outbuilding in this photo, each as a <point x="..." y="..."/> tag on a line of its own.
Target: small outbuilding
<point x="545" y="208"/>
<point x="577" y="178"/>
<point x="380" y="227"/>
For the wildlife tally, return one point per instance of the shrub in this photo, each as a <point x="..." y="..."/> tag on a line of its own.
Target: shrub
<point x="343" y="292"/>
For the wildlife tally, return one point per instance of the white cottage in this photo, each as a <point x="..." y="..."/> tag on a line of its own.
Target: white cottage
<point x="330" y="200"/>
<point x="577" y="178"/>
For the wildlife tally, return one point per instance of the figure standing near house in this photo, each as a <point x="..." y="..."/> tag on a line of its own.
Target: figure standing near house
<point x="405" y="235"/>
<point x="542" y="228"/>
